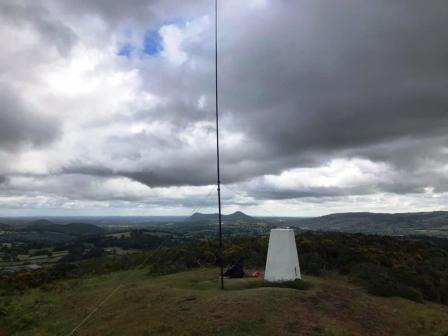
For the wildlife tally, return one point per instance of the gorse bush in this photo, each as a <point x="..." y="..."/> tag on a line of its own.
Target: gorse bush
<point x="386" y="266"/>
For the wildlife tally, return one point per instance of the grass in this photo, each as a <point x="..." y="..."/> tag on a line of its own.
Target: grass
<point x="190" y="303"/>
<point x="296" y="284"/>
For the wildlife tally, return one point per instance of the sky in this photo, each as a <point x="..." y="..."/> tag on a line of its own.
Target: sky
<point x="107" y="107"/>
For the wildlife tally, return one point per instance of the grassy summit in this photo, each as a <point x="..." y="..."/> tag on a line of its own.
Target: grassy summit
<point x="190" y="303"/>
<point x="173" y="290"/>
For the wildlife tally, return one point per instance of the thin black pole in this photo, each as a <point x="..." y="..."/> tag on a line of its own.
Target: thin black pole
<point x="217" y="147"/>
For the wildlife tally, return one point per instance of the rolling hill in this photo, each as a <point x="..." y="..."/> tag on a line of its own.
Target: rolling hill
<point x="420" y="223"/>
<point x="73" y="229"/>
<point x="205" y="225"/>
<point x="236" y="216"/>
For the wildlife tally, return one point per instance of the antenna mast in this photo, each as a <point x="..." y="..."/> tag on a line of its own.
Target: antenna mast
<point x="217" y="148"/>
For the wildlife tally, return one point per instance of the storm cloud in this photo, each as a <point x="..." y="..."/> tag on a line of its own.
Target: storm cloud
<point x="320" y="102"/>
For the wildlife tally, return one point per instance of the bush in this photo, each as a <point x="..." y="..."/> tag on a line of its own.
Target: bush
<point x="380" y="281"/>
<point x="312" y="263"/>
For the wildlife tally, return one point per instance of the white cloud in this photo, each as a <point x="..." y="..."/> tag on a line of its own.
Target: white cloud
<point x="175" y="38"/>
<point x="172" y="37"/>
<point x="340" y="173"/>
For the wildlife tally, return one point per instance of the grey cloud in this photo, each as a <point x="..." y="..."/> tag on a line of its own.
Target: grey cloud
<point x="313" y="78"/>
<point x="181" y="167"/>
<point x="21" y="127"/>
<point x="33" y="13"/>
<point x="85" y="188"/>
<point x="307" y="81"/>
<point x="341" y="79"/>
<point x="272" y="193"/>
<point x="149" y="13"/>
<point x="304" y="81"/>
<point x="339" y="75"/>
<point x="77" y="167"/>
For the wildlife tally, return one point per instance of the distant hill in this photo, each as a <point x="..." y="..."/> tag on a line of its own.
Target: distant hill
<point x="424" y="223"/>
<point x="5" y="227"/>
<point x="205" y="225"/>
<point x="74" y="229"/>
<point x="236" y="216"/>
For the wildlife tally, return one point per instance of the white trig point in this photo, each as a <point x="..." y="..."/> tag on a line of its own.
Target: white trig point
<point x="282" y="262"/>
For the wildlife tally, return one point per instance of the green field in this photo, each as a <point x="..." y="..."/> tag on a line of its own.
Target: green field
<point x="120" y="251"/>
<point x="24" y="259"/>
<point x="189" y="303"/>
<point x="125" y="234"/>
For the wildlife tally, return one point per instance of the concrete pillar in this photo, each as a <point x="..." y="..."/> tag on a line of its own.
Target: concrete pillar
<point x="282" y="262"/>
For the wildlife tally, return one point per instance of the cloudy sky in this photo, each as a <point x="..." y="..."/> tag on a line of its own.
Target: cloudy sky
<point x="107" y="107"/>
